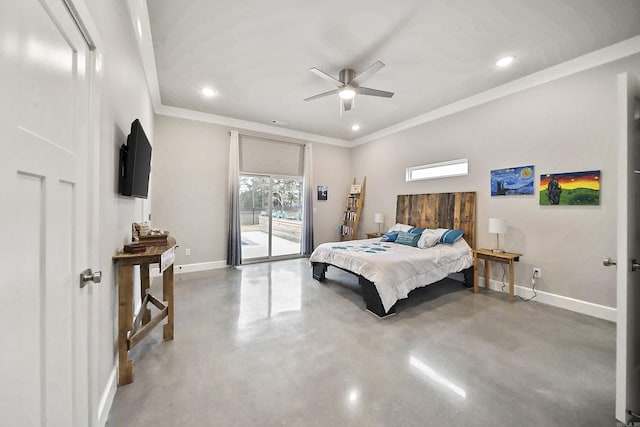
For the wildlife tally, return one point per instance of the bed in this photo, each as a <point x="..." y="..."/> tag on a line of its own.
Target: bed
<point x="386" y="271"/>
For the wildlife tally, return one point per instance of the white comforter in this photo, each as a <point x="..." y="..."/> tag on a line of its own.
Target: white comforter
<point x="395" y="269"/>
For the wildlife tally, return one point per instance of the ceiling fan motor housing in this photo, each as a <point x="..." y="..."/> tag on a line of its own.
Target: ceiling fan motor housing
<point x="347" y="75"/>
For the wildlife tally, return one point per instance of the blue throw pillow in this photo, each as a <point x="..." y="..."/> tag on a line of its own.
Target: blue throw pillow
<point x="390" y="236"/>
<point x="416" y="230"/>
<point x="408" y="239"/>
<point x="450" y="236"/>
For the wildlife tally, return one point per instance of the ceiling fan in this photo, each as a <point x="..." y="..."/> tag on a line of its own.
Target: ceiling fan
<point x="348" y="84"/>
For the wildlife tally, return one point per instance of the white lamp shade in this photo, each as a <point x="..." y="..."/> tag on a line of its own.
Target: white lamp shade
<point x="378" y="218"/>
<point x="497" y="225"/>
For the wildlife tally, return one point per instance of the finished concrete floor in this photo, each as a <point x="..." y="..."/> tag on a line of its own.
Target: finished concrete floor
<point x="266" y="345"/>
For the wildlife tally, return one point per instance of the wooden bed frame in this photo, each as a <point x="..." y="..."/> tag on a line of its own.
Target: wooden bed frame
<point x="436" y="210"/>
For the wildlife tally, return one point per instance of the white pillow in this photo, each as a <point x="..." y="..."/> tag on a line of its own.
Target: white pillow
<point x="401" y="227"/>
<point x="429" y="238"/>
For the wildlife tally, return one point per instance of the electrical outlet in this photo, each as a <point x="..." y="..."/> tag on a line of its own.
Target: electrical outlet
<point x="187" y="251"/>
<point x="537" y="273"/>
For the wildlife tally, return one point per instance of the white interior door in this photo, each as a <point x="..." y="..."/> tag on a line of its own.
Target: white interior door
<point x="44" y="153"/>
<point x="628" y="250"/>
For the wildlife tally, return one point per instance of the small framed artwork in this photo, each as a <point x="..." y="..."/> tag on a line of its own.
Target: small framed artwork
<point x="516" y="181"/>
<point x="322" y="192"/>
<point x="573" y="188"/>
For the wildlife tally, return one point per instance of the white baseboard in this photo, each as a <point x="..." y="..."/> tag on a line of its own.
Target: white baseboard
<point x="189" y="268"/>
<point x="200" y="266"/>
<point x="560" y="301"/>
<point x="106" y="400"/>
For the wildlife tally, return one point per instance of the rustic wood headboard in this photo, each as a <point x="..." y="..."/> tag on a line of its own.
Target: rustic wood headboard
<point x="440" y="210"/>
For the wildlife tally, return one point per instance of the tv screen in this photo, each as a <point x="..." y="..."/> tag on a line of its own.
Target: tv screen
<point x="135" y="163"/>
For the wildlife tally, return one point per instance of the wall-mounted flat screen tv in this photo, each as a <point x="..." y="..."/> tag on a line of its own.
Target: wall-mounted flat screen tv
<point x="135" y="163"/>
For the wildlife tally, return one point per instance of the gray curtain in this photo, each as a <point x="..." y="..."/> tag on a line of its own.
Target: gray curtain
<point x="307" y="202"/>
<point x="234" y="246"/>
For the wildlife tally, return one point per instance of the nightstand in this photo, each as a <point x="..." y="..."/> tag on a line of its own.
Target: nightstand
<point x="488" y="255"/>
<point x="374" y="235"/>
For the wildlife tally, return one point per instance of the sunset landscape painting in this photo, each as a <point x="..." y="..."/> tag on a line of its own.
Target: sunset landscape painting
<point x="574" y="188"/>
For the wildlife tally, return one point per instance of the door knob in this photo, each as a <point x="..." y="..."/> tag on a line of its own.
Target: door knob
<point x="89" y="276"/>
<point x="608" y="262"/>
<point x="634" y="265"/>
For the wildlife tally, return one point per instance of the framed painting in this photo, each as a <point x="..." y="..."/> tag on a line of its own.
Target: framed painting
<point x="516" y="181"/>
<point x="322" y="192"/>
<point x="573" y="188"/>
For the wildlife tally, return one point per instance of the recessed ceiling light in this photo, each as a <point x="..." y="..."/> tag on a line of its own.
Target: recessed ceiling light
<point x="503" y="62"/>
<point x="208" y="92"/>
<point x="355" y="128"/>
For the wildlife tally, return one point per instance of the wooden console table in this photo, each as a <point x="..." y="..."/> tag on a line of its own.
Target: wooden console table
<point x="489" y="255"/>
<point x="130" y="331"/>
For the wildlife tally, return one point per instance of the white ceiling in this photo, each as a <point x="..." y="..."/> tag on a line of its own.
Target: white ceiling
<point x="257" y="53"/>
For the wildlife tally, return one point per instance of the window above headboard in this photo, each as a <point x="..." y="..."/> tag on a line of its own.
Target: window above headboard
<point x="458" y="167"/>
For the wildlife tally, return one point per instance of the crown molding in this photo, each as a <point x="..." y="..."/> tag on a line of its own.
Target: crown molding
<point x="593" y="59"/>
<point x="185" y="113"/>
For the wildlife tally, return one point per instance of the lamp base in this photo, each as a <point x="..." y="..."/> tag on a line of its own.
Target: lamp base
<point x="498" y="251"/>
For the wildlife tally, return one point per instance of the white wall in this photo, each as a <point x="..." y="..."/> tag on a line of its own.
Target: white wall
<point x="563" y="126"/>
<point x="124" y="98"/>
<point x="331" y="168"/>
<point x="190" y="163"/>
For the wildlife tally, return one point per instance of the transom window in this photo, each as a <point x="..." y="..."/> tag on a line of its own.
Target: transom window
<point x="438" y="170"/>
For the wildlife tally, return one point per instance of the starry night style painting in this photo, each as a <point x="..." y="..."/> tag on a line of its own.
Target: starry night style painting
<point x="516" y="181"/>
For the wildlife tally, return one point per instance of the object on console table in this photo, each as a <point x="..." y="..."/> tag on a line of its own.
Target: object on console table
<point x="374" y="235"/>
<point x="154" y="239"/>
<point x="139" y="229"/>
<point x="134" y="248"/>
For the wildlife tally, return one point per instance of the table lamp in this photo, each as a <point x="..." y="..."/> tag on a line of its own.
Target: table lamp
<point x="378" y="219"/>
<point x="498" y="226"/>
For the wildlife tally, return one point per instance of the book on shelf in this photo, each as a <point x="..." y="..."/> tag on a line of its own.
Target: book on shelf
<point x="350" y="216"/>
<point x="352" y="202"/>
<point x="345" y="230"/>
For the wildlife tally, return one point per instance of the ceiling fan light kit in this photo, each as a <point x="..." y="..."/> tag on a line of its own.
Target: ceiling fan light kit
<point x="347" y="93"/>
<point x="348" y="85"/>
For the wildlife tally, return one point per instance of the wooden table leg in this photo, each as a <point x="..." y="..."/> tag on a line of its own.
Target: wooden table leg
<point x="487" y="273"/>
<point x="144" y="287"/>
<point x="511" y="280"/>
<point x="475" y="273"/>
<point x="167" y="295"/>
<point x="125" y="322"/>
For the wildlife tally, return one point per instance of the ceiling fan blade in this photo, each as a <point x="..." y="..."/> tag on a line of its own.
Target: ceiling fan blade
<point x="320" y="95"/>
<point x="360" y="78"/>
<point x="373" y="92"/>
<point x="325" y="76"/>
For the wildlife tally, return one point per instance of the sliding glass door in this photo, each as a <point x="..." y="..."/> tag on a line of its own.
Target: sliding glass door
<point x="270" y="216"/>
<point x="254" y="204"/>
